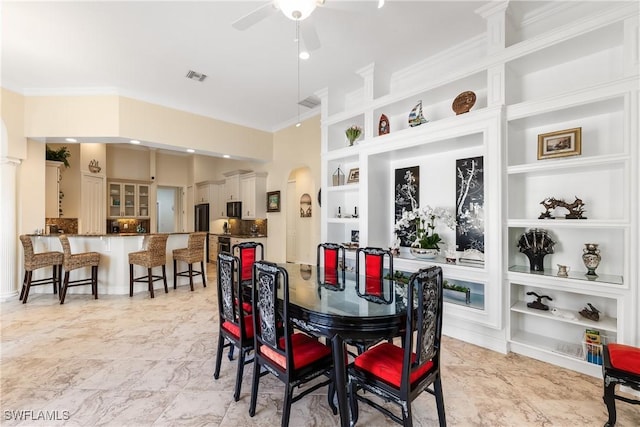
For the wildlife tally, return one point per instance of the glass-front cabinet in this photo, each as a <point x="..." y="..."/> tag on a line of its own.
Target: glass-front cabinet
<point x="128" y="200"/>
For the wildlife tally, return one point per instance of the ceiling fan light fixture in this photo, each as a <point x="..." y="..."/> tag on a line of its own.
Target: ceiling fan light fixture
<point x="297" y="10"/>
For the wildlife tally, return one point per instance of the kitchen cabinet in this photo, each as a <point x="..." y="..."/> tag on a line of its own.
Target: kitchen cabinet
<point x="128" y="200"/>
<point x="218" y="204"/>
<point x="53" y="202"/>
<point x="232" y="185"/>
<point x="253" y="187"/>
<point x="202" y="193"/>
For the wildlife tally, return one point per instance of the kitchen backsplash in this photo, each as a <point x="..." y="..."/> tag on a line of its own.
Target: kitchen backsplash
<point x="66" y="225"/>
<point x="243" y="226"/>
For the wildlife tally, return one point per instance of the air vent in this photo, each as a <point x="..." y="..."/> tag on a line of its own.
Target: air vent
<point x="194" y="75"/>
<point x="310" y="102"/>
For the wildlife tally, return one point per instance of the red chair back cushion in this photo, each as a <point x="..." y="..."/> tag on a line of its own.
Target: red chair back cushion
<point x="385" y="362"/>
<point x="373" y="266"/>
<point x="330" y="259"/>
<point x="306" y="350"/>
<point x="248" y="257"/>
<point x="625" y="358"/>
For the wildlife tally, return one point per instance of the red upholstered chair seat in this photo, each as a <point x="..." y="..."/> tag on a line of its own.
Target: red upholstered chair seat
<point x="235" y="329"/>
<point x="385" y="362"/>
<point x="306" y="350"/>
<point x="625" y="358"/>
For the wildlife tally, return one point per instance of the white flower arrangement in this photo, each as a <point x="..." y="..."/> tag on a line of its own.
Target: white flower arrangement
<point x="424" y="220"/>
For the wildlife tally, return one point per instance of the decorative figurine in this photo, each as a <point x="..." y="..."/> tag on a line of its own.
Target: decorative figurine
<point x="383" y="125"/>
<point x="576" y="209"/>
<point x="590" y="313"/>
<point x="563" y="270"/>
<point x="591" y="258"/>
<point x="415" y="116"/>
<point x="537" y="304"/>
<point x="536" y="244"/>
<point x="463" y="102"/>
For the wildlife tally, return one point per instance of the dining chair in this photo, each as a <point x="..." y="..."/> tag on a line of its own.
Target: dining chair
<point x="154" y="256"/>
<point x="194" y="252"/>
<point x="247" y="253"/>
<point x="620" y="366"/>
<point x="295" y="358"/>
<point x="330" y="257"/>
<point x="34" y="261"/>
<point x="235" y="327"/>
<point x="72" y="262"/>
<point x="399" y="375"/>
<point x="374" y="286"/>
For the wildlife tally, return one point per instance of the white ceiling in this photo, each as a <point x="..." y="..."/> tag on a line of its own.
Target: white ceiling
<point x="143" y="49"/>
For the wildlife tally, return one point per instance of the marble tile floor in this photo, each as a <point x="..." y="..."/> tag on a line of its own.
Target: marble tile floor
<point x="121" y="361"/>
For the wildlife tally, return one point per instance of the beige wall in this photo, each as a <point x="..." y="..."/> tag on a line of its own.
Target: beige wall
<point x="30" y="195"/>
<point x="128" y="163"/>
<point x="71" y="116"/>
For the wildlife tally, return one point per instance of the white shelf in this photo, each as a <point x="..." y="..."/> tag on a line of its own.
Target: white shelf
<point x="605" y="323"/>
<point x="343" y="220"/>
<point x="566" y="223"/>
<point x="341" y="188"/>
<point x="523" y="273"/>
<point x="566" y="165"/>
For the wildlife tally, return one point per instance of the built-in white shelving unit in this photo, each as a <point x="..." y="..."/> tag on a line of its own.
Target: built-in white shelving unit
<point x="561" y="66"/>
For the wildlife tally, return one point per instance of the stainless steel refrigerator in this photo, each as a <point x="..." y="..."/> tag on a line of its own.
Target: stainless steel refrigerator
<point x="202" y="223"/>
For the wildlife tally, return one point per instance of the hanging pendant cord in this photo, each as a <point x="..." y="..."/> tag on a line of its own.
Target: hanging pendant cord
<point x="298" y="63"/>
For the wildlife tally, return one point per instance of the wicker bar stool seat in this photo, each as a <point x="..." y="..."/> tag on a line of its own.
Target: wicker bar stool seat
<point x="74" y="261"/>
<point x="154" y="256"/>
<point x="194" y="252"/>
<point x="34" y="261"/>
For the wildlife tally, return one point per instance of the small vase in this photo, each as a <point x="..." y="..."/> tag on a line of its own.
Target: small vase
<point x="352" y="140"/>
<point x="591" y="258"/>
<point x="422" y="253"/>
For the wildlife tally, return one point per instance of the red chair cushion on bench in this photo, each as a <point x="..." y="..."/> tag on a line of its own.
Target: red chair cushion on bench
<point x="625" y="358"/>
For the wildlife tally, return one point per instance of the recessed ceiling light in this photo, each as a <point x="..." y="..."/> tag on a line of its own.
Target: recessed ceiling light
<point x="134" y="141"/>
<point x="304" y="55"/>
<point x="190" y="150"/>
<point x="71" y="140"/>
<point x="298" y="124"/>
<point x="226" y="156"/>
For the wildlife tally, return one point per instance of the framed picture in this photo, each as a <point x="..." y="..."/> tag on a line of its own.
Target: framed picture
<point x="354" y="175"/>
<point x="562" y="143"/>
<point x="355" y="236"/>
<point x="273" y="201"/>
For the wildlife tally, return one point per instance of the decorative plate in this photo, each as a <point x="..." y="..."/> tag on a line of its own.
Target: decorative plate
<point x="463" y="102"/>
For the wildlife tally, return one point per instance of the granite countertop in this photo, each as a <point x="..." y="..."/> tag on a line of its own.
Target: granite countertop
<point x="105" y="235"/>
<point x="240" y="236"/>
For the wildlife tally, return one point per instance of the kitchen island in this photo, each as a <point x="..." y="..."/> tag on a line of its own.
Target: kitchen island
<point x="114" y="249"/>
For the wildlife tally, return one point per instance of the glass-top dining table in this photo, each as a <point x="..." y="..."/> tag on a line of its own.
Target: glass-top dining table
<point x="333" y="304"/>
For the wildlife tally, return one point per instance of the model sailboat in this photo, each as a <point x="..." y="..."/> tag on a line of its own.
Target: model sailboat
<point x="415" y="116"/>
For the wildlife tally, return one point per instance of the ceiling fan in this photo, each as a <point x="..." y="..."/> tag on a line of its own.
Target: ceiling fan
<point x="296" y="10"/>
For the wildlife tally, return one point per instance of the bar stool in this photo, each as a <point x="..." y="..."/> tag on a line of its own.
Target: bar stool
<point x="33" y="261"/>
<point x="74" y="261"/>
<point x="194" y="252"/>
<point x="154" y="256"/>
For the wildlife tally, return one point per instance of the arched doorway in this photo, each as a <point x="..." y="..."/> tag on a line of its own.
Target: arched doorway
<point x="301" y="231"/>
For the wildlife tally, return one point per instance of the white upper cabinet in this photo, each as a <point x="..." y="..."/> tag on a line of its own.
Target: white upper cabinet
<point x="253" y="187"/>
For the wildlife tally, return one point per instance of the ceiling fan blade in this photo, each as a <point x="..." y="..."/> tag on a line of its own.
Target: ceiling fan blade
<point x="254" y="17"/>
<point x="309" y="36"/>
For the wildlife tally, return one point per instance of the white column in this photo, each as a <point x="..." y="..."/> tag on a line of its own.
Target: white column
<point x="8" y="228"/>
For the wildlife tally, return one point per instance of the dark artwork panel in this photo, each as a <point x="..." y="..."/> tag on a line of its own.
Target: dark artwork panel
<point x="407" y="197"/>
<point x="470" y="204"/>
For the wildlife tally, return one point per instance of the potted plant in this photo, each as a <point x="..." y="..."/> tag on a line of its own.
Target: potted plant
<point x="456" y="292"/>
<point x="59" y="155"/>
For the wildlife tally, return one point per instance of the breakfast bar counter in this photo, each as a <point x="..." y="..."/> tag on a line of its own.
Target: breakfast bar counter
<point x="114" y="249"/>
